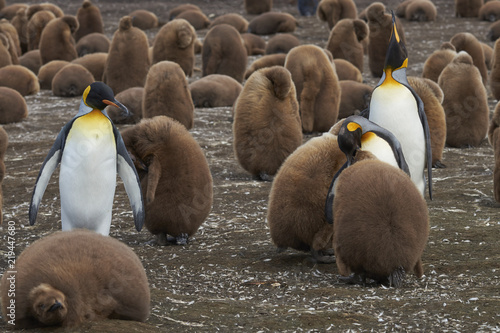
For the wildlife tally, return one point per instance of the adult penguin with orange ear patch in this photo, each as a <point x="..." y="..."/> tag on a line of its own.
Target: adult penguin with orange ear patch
<point x="395" y="106"/>
<point x="381" y="221"/>
<point x="91" y="151"/>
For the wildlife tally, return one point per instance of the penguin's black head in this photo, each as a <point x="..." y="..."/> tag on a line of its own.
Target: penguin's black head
<point x="396" y="56"/>
<point x="349" y="139"/>
<point x="98" y="95"/>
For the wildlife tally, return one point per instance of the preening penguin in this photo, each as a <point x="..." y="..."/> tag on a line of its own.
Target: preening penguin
<point x="91" y="151"/>
<point x="395" y="106"/>
<point x="358" y="135"/>
<point x="380" y="223"/>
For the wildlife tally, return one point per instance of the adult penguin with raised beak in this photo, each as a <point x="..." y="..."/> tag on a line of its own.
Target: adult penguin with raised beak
<point x="91" y="151"/>
<point x="395" y="106"/>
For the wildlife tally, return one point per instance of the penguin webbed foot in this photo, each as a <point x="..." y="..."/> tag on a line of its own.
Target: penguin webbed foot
<point x="396" y="278"/>
<point x="263" y="176"/>
<point x="163" y="239"/>
<point x="439" y="165"/>
<point x="280" y="249"/>
<point x="323" y="256"/>
<point x="354" y="278"/>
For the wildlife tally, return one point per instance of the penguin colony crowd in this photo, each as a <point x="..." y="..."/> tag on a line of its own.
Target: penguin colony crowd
<point x="381" y="141"/>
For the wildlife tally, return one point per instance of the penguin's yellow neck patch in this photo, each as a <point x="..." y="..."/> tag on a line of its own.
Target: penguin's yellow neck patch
<point x="85" y="94"/>
<point x="389" y="80"/>
<point x="367" y="137"/>
<point x="92" y="123"/>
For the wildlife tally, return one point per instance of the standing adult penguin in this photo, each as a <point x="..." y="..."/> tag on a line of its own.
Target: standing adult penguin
<point x="91" y="151"/>
<point x="395" y="106"/>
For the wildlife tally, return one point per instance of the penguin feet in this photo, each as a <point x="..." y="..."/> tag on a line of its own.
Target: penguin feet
<point x="397" y="277"/>
<point x="163" y="239"/>
<point x="354" y="279"/>
<point x="323" y="256"/>
<point x="263" y="176"/>
<point x="439" y="165"/>
<point x="280" y="249"/>
<point x="181" y="239"/>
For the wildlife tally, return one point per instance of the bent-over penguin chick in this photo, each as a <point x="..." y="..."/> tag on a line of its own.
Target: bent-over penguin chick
<point x="72" y="277"/>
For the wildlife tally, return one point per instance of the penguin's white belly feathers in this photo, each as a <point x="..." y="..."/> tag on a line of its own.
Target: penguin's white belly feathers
<point x="381" y="149"/>
<point x="87" y="179"/>
<point x="394" y="107"/>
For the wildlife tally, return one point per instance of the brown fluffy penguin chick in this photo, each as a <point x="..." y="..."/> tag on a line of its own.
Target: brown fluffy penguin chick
<point x="214" y="91"/>
<point x="495" y="71"/>
<point x="72" y="277"/>
<point x="355" y="97"/>
<point x="494" y="140"/>
<point x="465" y="41"/>
<point x="92" y="43"/>
<point x="132" y="99"/>
<point x="381" y="223"/>
<point x="488" y="55"/>
<point x="36" y="24"/>
<point x="175" y="177"/>
<point x="281" y="43"/>
<point x="236" y="20"/>
<point x="438" y="60"/>
<point x="332" y="11"/>
<point x="166" y="93"/>
<point x="144" y="19"/>
<point x="296" y="209"/>
<point x="465" y="102"/>
<point x="13" y="107"/>
<point x="269" y="60"/>
<point x="346" y="41"/>
<point x="196" y="18"/>
<point x="5" y="59"/>
<point x="4" y="142"/>
<point x="256" y="7"/>
<point x="347" y="71"/>
<point x="380" y="27"/>
<point x="318" y="89"/>
<point x="31" y="60"/>
<point x="175" y="42"/>
<point x="490" y="11"/>
<point x="266" y="127"/>
<point x="89" y="20"/>
<point x="181" y="8"/>
<point x="94" y="63"/>
<point x="421" y="11"/>
<point x="71" y="80"/>
<point x="7" y="28"/>
<point x="20" y="22"/>
<point x="19" y="78"/>
<point x="254" y="44"/>
<point x="128" y="61"/>
<point x="431" y="94"/>
<point x="56" y="41"/>
<point x="272" y="23"/>
<point x="224" y="52"/>
<point x="48" y="71"/>
<point x="494" y="31"/>
<point x="467" y="8"/>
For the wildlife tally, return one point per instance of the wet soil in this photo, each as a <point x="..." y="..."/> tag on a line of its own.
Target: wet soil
<point x="230" y="277"/>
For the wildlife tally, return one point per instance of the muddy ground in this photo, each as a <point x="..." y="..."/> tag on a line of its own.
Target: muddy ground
<point x="230" y="277"/>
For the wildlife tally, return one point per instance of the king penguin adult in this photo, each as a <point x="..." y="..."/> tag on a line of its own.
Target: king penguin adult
<point x="91" y="151"/>
<point x="395" y="106"/>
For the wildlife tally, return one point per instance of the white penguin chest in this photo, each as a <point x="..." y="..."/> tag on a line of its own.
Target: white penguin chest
<point x="394" y="107"/>
<point x="90" y="143"/>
